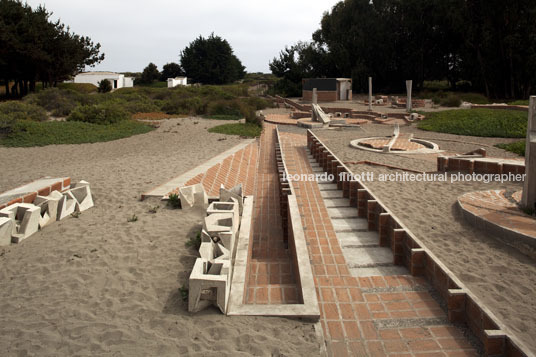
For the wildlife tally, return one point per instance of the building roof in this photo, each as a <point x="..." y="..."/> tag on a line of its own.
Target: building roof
<point x="100" y="73"/>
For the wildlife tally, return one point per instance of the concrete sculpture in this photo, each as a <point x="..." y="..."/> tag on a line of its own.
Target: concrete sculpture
<point x="66" y="205"/>
<point x="25" y="217"/>
<point x="82" y="194"/>
<point x="193" y="197"/>
<point x="319" y="115"/>
<point x="49" y="207"/>
<point x="6" y="229"/>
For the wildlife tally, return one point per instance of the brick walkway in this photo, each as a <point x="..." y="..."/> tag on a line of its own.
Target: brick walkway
<point x="271" y="279"/>
<point x="237" y="168"/>
<point x="366" y="316"/>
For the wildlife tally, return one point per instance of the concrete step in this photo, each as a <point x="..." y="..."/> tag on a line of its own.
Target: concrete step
<point x="328" y="187"/>
<point x="358" y="239"/>
<point x="313" y="163"/>
<point x="378" y="271"/>
<point x="317" y="169"/>
<point x="368" y="257"/>
<point x="349" y="225"/>
<point x="336" y="202"/>
<point x="342" y="212"/>
<point x="331" y="194"/>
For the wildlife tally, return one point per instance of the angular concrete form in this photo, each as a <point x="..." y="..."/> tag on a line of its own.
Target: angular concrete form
<point x="49" y="208"/>
<point x="25" y="217"/>
<point x="208" y="285"/>
<point x="193" y="197"/>
<point x="223" y="226"/>
<point x="319" y="115"/>
<point x="82" y="194"/>
<point x="236" y="193"/>
<point x="66" y="205"/>
<point x="6" y="229"/>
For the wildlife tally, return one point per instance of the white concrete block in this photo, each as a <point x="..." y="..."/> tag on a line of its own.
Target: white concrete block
<point x="6" y="229"/>
<point x="206" y="250"/>
<point x="222" y="225"/>
<point x="66" y="205"/>
<point x="49" y="208"/>
<point x="207" y="288"/>
<point x="25" y="217"/>
<point x="236" y="193"/>
<point x="82" y="193"/>
<point x="193" y="197"/>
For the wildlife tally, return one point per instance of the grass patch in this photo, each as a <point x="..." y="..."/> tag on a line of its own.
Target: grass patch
<point x="517" y="147"/>
<point x="248" y="130"/>
<point x="222" y="117"/>
<point x="28" y="133"/>
<point x="477" y="122"/>
<point x="519" y="102"/>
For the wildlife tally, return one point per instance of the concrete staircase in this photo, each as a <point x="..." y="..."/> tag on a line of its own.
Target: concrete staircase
<point x="360" y="246"/>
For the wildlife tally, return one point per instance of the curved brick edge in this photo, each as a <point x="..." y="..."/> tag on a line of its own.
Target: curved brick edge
<point x="508" y="235"/>
<point x="434" y="149"/>
<point x="274" y="119"/>
<point x="462" y="305"/>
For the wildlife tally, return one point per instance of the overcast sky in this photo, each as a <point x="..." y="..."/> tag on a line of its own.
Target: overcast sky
<point x="133" y="33"/>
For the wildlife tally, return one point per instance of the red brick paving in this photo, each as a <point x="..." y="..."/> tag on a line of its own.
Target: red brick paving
<point x="271" y="279"/>
<point x="357" y="313"/>
<point x="241" y="167"/>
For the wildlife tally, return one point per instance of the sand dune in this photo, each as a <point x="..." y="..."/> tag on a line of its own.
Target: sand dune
<point x="99" y="285"/>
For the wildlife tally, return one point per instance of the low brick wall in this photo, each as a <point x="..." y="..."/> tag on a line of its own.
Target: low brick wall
<point x="322" y="96"/>
<point x="29" y="197"/>
<point x="462" y="305"/>
<point x="477" y="166"/>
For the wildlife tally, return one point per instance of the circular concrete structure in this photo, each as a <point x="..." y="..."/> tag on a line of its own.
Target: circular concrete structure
<point x="403" y="144"/>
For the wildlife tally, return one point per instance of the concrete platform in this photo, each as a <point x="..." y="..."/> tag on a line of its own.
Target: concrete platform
<point x="349" y="225"/>
<point x="342" y="212"/>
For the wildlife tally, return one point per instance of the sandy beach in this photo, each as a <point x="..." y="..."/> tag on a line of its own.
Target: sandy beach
<point x="99" y="285"/>
<point x="500" y="275"/>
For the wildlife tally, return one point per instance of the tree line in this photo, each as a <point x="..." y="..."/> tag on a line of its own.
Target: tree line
<point x="33" y="48"/>
<point x="208" y="60"/>
<point x="487" y="46"/>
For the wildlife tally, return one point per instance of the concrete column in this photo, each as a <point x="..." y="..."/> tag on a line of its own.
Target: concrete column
<point x="408" y="101"/>
<point x="529" y="186"/>
<point x="370" y="94"/>
<point x="315" y="97"/>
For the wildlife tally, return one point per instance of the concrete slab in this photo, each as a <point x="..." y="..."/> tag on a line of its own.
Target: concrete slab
<point x="336" y="202"/>
<point x="379" y="271"/>
<point x="331" y="194"/>
<point x="368" y="257"/>
<point x="31" y="187"/>
<point x="357" y="239"/>
<point x="349" y="225"/>
<point x="328" y="187"/>
<point x="342" y="212"/>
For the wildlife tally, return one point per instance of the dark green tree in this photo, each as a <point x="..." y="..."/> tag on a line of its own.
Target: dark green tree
<point x="32" y="48"/>
<point x="105" y="86"/>
<point x="211" y="61"/>
<point x="149" y="74"/>
<point x="171" y="70"/>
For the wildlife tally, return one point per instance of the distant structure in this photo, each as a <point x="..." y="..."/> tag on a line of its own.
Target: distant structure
<point x="117" y="80"/>
<point x="327" y="89"/>
<point x="177" y="81"/>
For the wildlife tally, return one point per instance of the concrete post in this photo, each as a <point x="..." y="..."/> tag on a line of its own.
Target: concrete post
<point x="370" y="94"/>
<point x="529" y="186"/>
<point x="408" y="101"/>
<point x="315" y="96"/>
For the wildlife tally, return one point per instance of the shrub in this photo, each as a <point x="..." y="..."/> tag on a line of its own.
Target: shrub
<point x="105" y="113"/>
<point x="451" y="100"/>
<point x="247" y="129"/>
<point x="105" y="86"/>
<point x="517" y="147"/>
<point x="14" y="110"/>
<point x="193" y="105"/>
<point x="84" y="88"/>
<point x="58" y="101"/>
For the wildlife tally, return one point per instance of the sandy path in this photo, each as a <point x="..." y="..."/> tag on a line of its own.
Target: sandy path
<point x="501" y="276"/>
<point x="98" y="285"/>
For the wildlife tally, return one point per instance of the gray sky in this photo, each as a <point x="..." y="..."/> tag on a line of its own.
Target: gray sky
<point x="134" y="33"/>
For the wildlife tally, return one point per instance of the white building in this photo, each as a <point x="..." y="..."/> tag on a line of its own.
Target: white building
<point x="177" y="81"/>
<point x="117" y="80"/>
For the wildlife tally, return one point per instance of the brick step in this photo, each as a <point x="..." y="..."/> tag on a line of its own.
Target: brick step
<point x="357" y="239"/>
<point x="342" y="212"/>
<point x="331" y="194"/>
<point x="317" y="169"/>
<point x="378" y="271"/>
<point x="336" y="202"/>
<point x="349" y="225"/>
